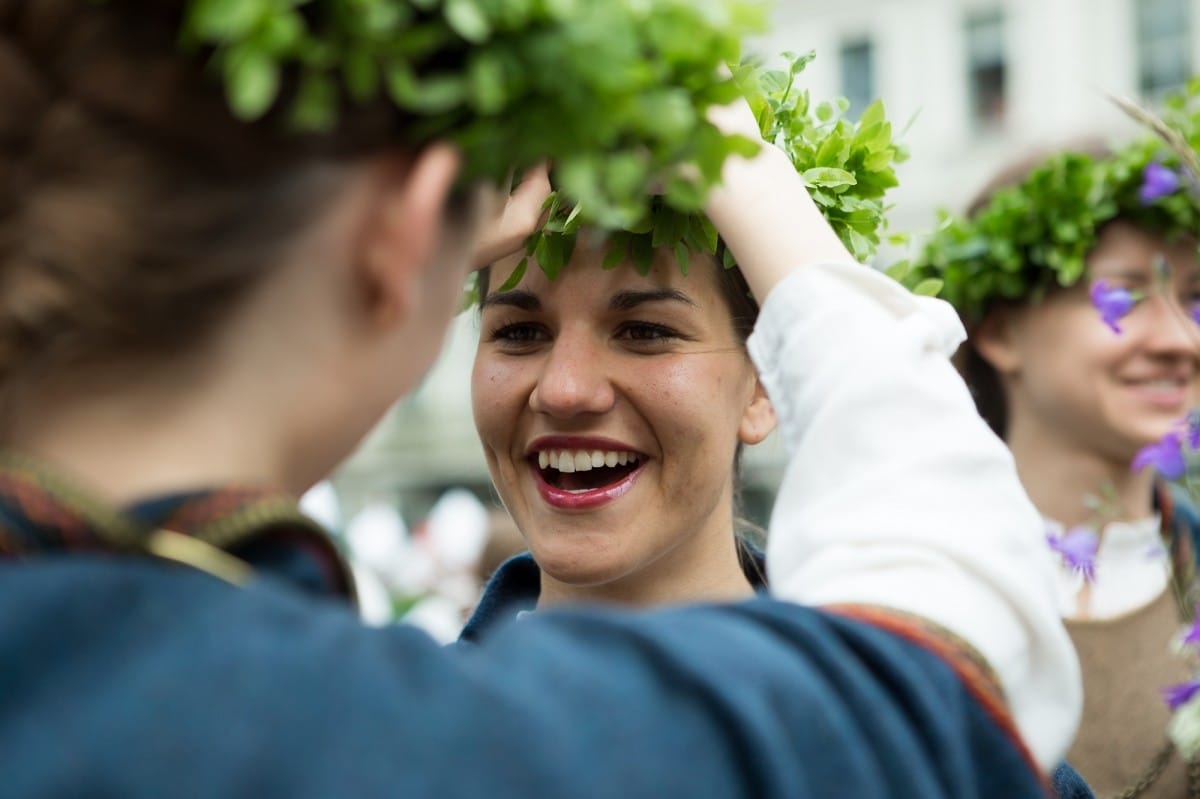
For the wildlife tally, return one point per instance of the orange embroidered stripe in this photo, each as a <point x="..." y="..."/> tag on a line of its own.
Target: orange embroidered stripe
<point x="976" y="674"/>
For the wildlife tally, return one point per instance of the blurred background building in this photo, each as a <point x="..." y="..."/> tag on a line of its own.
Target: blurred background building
<point x="978" y="82"/>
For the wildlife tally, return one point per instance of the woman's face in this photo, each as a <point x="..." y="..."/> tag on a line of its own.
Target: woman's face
<point x="1074" y="380"/>
<point x="610" y="406"/>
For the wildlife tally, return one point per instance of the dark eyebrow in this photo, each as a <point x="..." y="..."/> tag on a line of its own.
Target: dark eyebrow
<point x="525" y="300"/>
<point x="626" y="300"/>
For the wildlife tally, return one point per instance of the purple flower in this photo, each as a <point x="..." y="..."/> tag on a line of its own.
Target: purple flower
<point x="1157" y="181"/>
<point x="1113" y="302"/>
<point x="1193" y="429"/>
<point x="1192" y="636"/>
<point x="1077" y="547"/>
<point x="1165" y="456"/>
<point x="1178" y="695"/>
<point x="1194" y="312"/>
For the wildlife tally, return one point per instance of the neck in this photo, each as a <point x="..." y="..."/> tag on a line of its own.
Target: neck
<point x="125" y="445"/>
<point x="1066" y="483"/>
<point x="704" y="574"/>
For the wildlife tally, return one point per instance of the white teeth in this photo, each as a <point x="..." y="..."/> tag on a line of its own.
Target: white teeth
<point x="581" y="460"/>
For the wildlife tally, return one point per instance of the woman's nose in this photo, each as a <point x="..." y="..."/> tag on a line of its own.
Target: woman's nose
<point x="573" y="377"/>
<point x="1171" y="328"/>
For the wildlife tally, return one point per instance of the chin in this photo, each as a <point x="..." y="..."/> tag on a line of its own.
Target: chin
<point x="581" y="568"/>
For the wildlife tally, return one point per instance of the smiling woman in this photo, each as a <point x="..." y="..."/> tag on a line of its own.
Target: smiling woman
<point x="612" y="406"/>
<point x="1082" y="352"/>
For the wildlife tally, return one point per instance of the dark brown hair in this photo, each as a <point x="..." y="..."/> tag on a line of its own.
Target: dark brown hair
<point x="134" y="208"/>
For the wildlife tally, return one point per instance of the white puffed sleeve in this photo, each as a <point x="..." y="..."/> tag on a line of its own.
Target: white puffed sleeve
<point x="897" y="494"/>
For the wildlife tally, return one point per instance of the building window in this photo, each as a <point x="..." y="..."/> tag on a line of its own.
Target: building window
<point x="1164" y="43"/>
<point x="858" y="75"/>
<point x="986" y="69"/>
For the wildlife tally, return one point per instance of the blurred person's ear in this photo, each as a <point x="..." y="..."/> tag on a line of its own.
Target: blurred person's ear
<point x="402" y="233"/>
<point x="994" y="341"/>
<point x="758" y="419"/>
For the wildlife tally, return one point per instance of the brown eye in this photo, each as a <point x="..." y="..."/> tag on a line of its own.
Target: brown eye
<point x="517" y="334"/>
<point x="646" y="331"/>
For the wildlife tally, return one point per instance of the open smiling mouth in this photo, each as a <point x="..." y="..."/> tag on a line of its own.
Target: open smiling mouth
<point x="579" y="471"/>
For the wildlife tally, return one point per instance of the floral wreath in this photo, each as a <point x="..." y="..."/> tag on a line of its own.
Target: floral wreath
<point x="1036" y="234"/>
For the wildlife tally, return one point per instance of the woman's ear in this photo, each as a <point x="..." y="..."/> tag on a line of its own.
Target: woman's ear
<point x="402" y="233"/>
<point x="758" y="419"/>
<point x="993" y="339"/>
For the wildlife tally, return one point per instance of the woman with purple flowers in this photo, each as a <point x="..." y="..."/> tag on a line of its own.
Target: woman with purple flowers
<point x="1078" y="278"/>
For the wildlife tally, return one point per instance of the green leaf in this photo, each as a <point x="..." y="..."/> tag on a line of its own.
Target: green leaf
<point x="930" y="287"/>
<point x="515" y="276"/>
<point x="618" y="250"/>
<point x="251" y="82"/>
<point x="430" y="95"/>
<point x="282" y="33"/>
<point x="899" y="270"/>
<point x="225" y="20"/>
<point x="704" y="230"/>
<point x="468" y="20"/>
<point x="829" y="177"/>
<point x="361" y="71"/>
<point x="683" y="257"/>
<point x="552" y="254"/>
<point x="641" y="252"/>
<point x="315" y="106"/>
<point x="488" y="87"/>
<point x="873" y="115"/>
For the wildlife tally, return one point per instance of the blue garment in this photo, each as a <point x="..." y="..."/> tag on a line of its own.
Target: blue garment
<point x="1068" y="784"/>
<point x="515" y="586"/>
<point x="128" y="676"/>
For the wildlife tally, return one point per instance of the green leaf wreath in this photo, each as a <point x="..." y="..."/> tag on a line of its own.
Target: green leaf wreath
<point x="1037" y="234"/>
<point x="849" y="166"/>
<point x="614" y="92"/>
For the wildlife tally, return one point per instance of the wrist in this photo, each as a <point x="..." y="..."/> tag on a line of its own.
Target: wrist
<point x="766" y="216"/>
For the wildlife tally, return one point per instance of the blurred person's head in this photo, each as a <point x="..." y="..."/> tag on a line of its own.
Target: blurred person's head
<point x="612" y="406"/>
<point x="1043" y="365"/>
<point x="153" y="245"/>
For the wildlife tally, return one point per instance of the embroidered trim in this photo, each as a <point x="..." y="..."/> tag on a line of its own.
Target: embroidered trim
<point x="965" y="661"/>
<point x="48" y="512"/>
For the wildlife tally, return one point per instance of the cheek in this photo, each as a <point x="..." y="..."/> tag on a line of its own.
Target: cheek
<point x="494" y="395"/>
<point x="1077" y="343"/>
<point x="697" y="401"/>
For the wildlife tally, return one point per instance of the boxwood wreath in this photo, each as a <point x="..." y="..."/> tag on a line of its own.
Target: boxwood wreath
<point x="1037" y="234"/>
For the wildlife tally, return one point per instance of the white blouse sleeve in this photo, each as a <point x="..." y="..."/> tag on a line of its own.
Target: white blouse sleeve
<point x="897" y="494"/>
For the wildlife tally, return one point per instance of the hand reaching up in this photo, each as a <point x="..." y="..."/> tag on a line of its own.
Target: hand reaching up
<point x="521" y="214"/>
